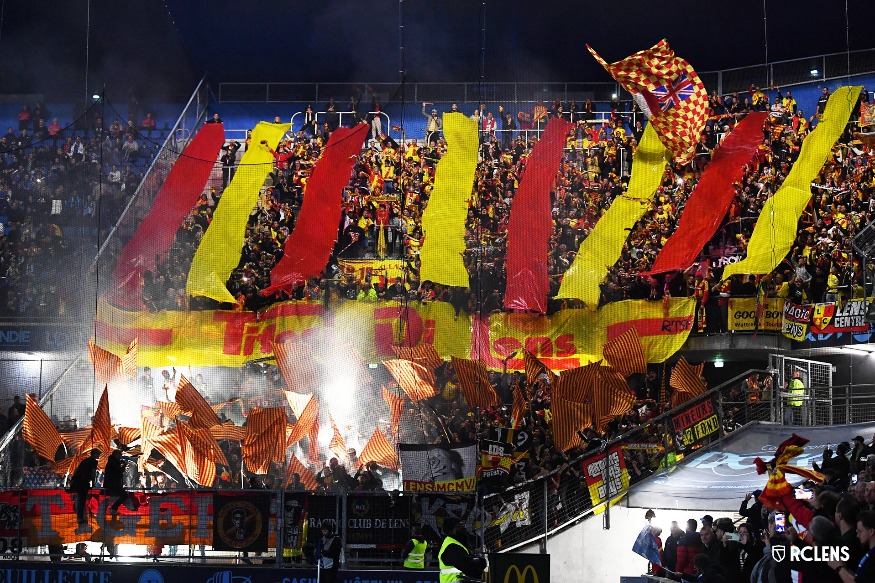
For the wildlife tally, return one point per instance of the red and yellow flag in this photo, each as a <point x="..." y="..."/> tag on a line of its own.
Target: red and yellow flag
<point x="686" y="381"/>
<point x="297" y="365"/>
<point x="415" y="379"/>
<point x="39" y="432"/>
<point x="192" y="402"/>
<point x="107" y="366"/>
<point x="265" y="440"/>
<point x="625" y="353"/>
<point x="379" y="450"/>
<point x="296" y="467"/>
<point x="396" y="408"/>
<point x="673" y="92"/>
<point x="475" y="384"/>
<point x="424" y="354"/>
<point x="611" y="397"/>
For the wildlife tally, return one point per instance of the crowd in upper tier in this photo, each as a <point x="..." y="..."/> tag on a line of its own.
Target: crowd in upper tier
<point x="58" y="186"/>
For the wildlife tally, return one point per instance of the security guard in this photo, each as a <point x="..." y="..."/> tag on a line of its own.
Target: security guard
<point x="414" y="552"/>
<point x="795" y="412"/>
<point x="454" y="559"/>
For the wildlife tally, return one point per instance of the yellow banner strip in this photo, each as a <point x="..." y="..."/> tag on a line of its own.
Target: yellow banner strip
<point x="220" y="248"/>
<point x="443" y="222"/>
<point x="775" y="229"/>
<point x="602" y="247"/>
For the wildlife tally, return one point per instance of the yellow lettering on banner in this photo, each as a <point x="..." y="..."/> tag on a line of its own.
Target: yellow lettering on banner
<point x="364" y="269"/>
<point x="221" y="246"/>
<point x="460" y="485"/>
<point x="743" y="314"/>
<point x="775" y="229"/>
<point x="443" y="222"/>
<point x="602" y="247"/>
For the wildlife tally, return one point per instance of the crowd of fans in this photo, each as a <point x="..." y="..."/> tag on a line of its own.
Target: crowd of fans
<point x="840" y="513"/>
<point x="62" y="188"/>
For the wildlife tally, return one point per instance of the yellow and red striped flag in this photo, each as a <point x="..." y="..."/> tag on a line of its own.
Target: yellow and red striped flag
<point x="193" y="403"/>
<point x="611" y="397"/>
<point x="424" y="354"/>
<point x="577" y="384"/>
<point x="38" y="430"/>
<point x="129" y="360"/>
<point x="415" y="379"/>
<point x="670" y="89"/>
<point x="625" y="353"/>
<point x="228" y="432"/>
<point x="686" y="380"/>
<point x="128" y="434"/>
<point x="396" y="408"/>
<point x="337" y="445"/>
<point x="379" y="450"/>
<point x="306" y="410"/>
<point x="520" y="406"/>
<point x="107" y="366"/>
<point x="296" y="467"/>
<point x="168" y="409"/>
<point x="297" y="365"/>
<point x="535" y="370"/>
<point x="75" y="439"/>
<point x="265" y="439"/>
<point x="101" y="425"/>
<point x="568" y="418"/>
<point x="148" y="433"/>
<point x="474" y="380"/>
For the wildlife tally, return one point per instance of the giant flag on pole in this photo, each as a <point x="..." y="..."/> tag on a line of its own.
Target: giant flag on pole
<point x="443" y="222"/>
<point x="675" y="95"/>
<point x="775" y="229"/>
<point x="221" y="246"/>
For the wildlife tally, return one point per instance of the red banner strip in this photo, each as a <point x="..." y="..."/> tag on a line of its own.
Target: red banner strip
<point x="710" y="201"/>
<point x="307" y="250"/>
<point x="177" y="196"/>
<point x="530" y="224"/>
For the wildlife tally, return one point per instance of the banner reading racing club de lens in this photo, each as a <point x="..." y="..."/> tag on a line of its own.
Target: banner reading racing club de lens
<point x="437" y="468"/>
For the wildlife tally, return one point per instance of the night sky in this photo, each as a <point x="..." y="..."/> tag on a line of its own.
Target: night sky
<point x="163" y="48"/>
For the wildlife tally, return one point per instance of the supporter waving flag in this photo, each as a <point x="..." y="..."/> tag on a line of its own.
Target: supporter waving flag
<point x="672" y="90"/>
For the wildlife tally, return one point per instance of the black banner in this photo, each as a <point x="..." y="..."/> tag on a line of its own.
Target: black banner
<point x="431" y="511"/>
<point x="695" y="423"/>
<point x="372" y="522"/>
<point x="69" y="571"/>
<point x="294" y="507"/>
<point x="495" y="460"/>
<point x="241" y="524"/>
<point x="519" y="568"/>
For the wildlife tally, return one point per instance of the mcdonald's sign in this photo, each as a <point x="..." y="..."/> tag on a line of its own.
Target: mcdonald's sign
<point x="519" y="568"/>
<point x="521" y="577"/>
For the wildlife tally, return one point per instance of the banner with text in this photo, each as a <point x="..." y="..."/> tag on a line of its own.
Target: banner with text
<point x="438" y="468"/>
<point x="745" y="315"/>
<point x="609" y="466"/>
<point x="795" y="320"/>
<point x="695" y="423"/>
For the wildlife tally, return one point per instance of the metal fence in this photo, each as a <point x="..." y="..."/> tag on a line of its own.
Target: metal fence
<point x="781" y="73"/>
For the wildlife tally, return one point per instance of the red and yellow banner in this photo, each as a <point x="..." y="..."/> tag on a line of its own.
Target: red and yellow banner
<point x="363" y="270"/>
<point x="567" y="339"/>
<point x="605" y="475"/>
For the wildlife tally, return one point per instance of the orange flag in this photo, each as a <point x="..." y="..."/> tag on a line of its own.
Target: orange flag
<point x="414" y="378"/>
<point x="625" y="353"/>
<point x="265" y="440"/>
<point x="101" y="426"/>
<point x="337" y="445"/>
<point x="128" y="434"/>
<point x="129" y="360"/>
<point x="107" y="366"/>
<point x="191" y="401"/>
<point x="396" y="408"/>
<point x="535" y="370"/>
<point x="474" y="380"/>
<point x="296" y="467"/>
<point x="611" y="397"/>
<point x="148" y="433"/>
<point x="228" y="432"/>
<point x="38" y="430"/>
<point x="379" y="450"/>
<point x="424" y="354"/>
<point x="686" y="379"/>
<point x="306" y="410"/>
<point x="577" y="384"/>
<point x="568" y="418"/>
<point x="297" y="365"/>
<point x="520" y="405"/>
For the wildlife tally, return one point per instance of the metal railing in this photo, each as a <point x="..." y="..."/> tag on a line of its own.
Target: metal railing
<point x="787" y="73"/>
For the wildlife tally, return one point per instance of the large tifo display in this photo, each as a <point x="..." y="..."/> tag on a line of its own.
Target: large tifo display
<point x="567" y="339"/>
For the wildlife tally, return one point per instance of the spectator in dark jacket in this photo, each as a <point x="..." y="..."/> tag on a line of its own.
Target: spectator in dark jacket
<point x="754" y="514"/>
<point x="689" y="546"/>
<point x="670" y="554"/>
